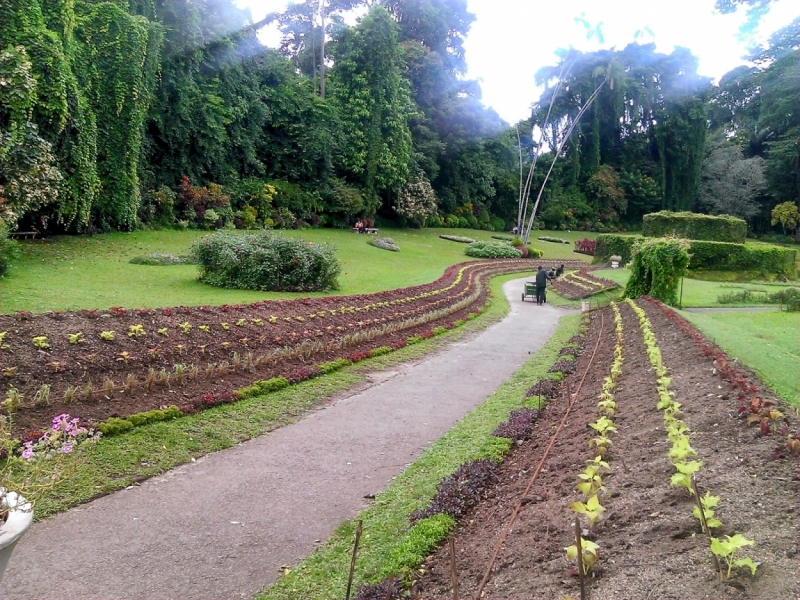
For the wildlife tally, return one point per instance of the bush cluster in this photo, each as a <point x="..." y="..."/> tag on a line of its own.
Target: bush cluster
<point x="790" y="298"/>
<point x="610" y="244"/>
<point x="115" y="425"/>
<point x="265" y="261"/>
<point x="460" y="491"/>
<point x="9" y="249"/>
<point x="384" y="244"/>
<point x="161" y="260"/>
<point x="458" y="238"/>
<point x="694" y="226"/>
<point x="491" y="250"/>
<point x="519" y="424"/>
<point x="657" y="268"/>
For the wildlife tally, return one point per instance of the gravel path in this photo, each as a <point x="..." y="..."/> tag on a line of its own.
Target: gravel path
<point x="223" y="526"/>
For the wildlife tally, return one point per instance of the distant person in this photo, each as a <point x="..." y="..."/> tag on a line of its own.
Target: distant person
<point x="515" y="230"/>
<point x="541" y="286"/>
<point x="559" y="271"/>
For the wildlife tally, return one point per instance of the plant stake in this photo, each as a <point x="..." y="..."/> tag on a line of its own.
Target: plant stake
<point x="453" y="575"/>
<point x="580" y="556"/>
<point x="353" y="560"/>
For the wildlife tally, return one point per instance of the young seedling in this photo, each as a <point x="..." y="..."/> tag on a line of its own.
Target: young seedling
<point x="13" y="401"/>
<point x="75" y="338"/>
<point x="88" y="392"/>
<point x="8" y="372"/>
<point x="683" y="478"/>
<point x="591" y="479"/>
<point x="130" y="383"/>
<point x="42" y="396"/>
<point x="108" y="386"/>
<point x="603" y="425"/>
<point x="71" y="394"/>
<point x="124" y="356"/>
<point x="591" y="508"/>
<point x="107" y="336"/>
<point x="204" y="328"/>
<point x="185" y="327"/>
<point x="136" y="331"/>
<point x="708" y="503"/>
<point x="727" y="548"/>
<point x="257" y="322"/>
<point x="180" y="348"/>
<point x="273" y="319"/>
<point x="152" y="376"/>
<point x="225" y="326"/>
<point x="589" y="554"/>
<point x="40" y="342"/>
<point x="163" y="331"/>
<point x="681" y="450"/>
<point x="241" y="322"/>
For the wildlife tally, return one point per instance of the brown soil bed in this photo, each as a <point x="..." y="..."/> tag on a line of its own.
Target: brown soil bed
<point x="330" y="327"/>
<point x="575" y="289"/>
<point x="650" y="544"/>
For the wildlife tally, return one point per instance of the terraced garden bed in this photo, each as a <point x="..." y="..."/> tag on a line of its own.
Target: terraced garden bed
<point x="576" y="285"/>
<point x="649" y="542"/>
<point x="98" y="365"/>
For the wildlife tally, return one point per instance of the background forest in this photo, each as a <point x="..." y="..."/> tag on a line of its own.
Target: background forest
<point x="129" y="113"/>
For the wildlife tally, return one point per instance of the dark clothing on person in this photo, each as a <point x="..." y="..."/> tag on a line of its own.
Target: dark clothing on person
<point x="541" y="286"/>
<point x="559" y="271"/>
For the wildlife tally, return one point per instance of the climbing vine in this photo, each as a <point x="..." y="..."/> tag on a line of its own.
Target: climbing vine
<point x="658" y="265"/>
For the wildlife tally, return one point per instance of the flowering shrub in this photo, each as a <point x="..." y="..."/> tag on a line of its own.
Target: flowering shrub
<point x="384" y="244"/>
<point x="265" y="261"/>
<point x="491" y="250"/>
<point x="417" y="199"/>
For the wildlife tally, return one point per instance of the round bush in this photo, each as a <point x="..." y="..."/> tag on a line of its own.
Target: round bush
<point x="491" y="250"/>
<point x="265" y="261"/>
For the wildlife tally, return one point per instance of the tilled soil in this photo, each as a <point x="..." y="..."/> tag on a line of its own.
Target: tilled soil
<point x="219" y="348"/>
<point x="650" y="544"/>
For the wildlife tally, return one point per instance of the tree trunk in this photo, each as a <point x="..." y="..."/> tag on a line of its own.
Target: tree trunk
<point x="322" y="52"/>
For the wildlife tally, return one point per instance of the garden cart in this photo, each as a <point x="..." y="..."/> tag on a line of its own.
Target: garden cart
<point x="530" y="290"/>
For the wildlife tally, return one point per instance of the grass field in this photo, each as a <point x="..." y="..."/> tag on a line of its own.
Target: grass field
<point x="699" y="293"/>
<point x="79" y="272"/>
<point x="767" y="342"/>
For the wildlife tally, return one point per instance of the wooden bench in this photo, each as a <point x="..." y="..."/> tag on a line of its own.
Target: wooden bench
<point x="367" y="230"/>
<point x="23" y="235"/>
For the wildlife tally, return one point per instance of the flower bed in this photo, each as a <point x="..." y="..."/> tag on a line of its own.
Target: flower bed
<point x="555" y="240"/>
<point x="98" y="365"/>
<point x="458" y="238"/>
<point x="581" y="284"/>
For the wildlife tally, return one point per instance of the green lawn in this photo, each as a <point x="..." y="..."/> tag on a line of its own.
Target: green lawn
<point x="767" y="342"/>
<point x="700" y="293"/>
<point x="79" y="272"/>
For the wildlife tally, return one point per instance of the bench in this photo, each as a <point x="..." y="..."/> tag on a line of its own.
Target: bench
<point x="367" y="230"/>
<point x="23" y="235"/>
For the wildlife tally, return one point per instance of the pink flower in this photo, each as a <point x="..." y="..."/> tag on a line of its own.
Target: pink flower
<point x="67" y="449"/>
<point x="27" y="453"/>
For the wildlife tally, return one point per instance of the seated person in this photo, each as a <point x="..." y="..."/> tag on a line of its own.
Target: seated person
<point x="559" y="271"/>
<point x="551" y="274"/>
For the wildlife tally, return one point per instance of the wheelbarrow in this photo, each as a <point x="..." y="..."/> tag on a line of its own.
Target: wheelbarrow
<point x="530" y="291"/>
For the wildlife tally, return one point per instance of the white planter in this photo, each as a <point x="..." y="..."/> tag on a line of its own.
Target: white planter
<point x="584" y="305"/>
<point x="19" y="520"/>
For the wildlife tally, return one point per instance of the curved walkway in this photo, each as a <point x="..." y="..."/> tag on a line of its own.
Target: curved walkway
<point x="223" y="526"/>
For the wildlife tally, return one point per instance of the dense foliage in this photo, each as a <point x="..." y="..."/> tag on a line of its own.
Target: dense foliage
<point x="118" y="114"/>
<point x="658" y="266"/>
<point x="491" y="250"/>
<point x="693" y="226"/>
<point x="265" y="261"/>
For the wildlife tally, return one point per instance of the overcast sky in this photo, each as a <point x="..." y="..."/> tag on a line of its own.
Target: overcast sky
<point x="511" y="39"/>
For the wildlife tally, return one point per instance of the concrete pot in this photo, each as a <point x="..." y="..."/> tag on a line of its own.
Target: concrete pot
<point x="19" y="520"/>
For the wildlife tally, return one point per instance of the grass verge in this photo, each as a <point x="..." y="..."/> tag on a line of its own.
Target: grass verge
<point x="118" y="461"/>
<point x="766" y="342"/>
<point x="388" y="543"/>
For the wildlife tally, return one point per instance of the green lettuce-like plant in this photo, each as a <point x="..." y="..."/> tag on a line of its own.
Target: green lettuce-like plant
<point x="589" y="554"/>
<point x="591" y="508"/>
<point x="727" y="548"/>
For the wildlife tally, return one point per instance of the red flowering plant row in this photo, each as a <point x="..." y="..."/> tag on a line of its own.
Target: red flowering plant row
<point x="581" y="284"/>
<point x="753" y="408"/>
<point x="102" y="364"/>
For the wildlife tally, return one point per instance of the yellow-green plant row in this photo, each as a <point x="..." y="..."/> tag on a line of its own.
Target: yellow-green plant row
<point x="591" y="480"/>
<point x="681" y="454"/>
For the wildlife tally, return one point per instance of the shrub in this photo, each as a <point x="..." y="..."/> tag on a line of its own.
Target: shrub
<point x="265" y="261"/>
<point x="555" y="240"/>
<point x="460" y="491"/>
<point x="491" y="250"/>
<point x="693" y="226"/>
<point x="519" y="424"/>
<point x="756" y="258"/>
<point x="658" y="265"/>
<point x="458" y="238"/>
<point x="161" y="260"/>
<point x="497" y="224"/>
<point x="384" y="244"/>
<point x="9" y="249"/>
<point x="609" y="244"/>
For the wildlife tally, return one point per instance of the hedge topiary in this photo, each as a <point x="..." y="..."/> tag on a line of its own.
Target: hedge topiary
<point x="265" y="261"/>
<point x="491" y="250"/>
<point x="694" y="226"/>
<point x="757" y="259"/>
<point x="658" y="265"/>
<point x="609" y="244"/>
<point x="754" y="259"/>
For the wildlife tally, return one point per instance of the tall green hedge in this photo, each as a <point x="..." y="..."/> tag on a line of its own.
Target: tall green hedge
<point x="657" y="269"/>
<point x="754" y="259"/>
<point x="760" y="259"/>
<point x="610" y="244"/>
<point x="693" y="226"/>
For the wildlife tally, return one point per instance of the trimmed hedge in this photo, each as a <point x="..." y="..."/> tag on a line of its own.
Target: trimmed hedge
<point x="755" y="259"/>
<point x="694" y="226"/>
<point x="609" y="244"/>
<point x="491" y="250"/>
<point x="761" y="259"/>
